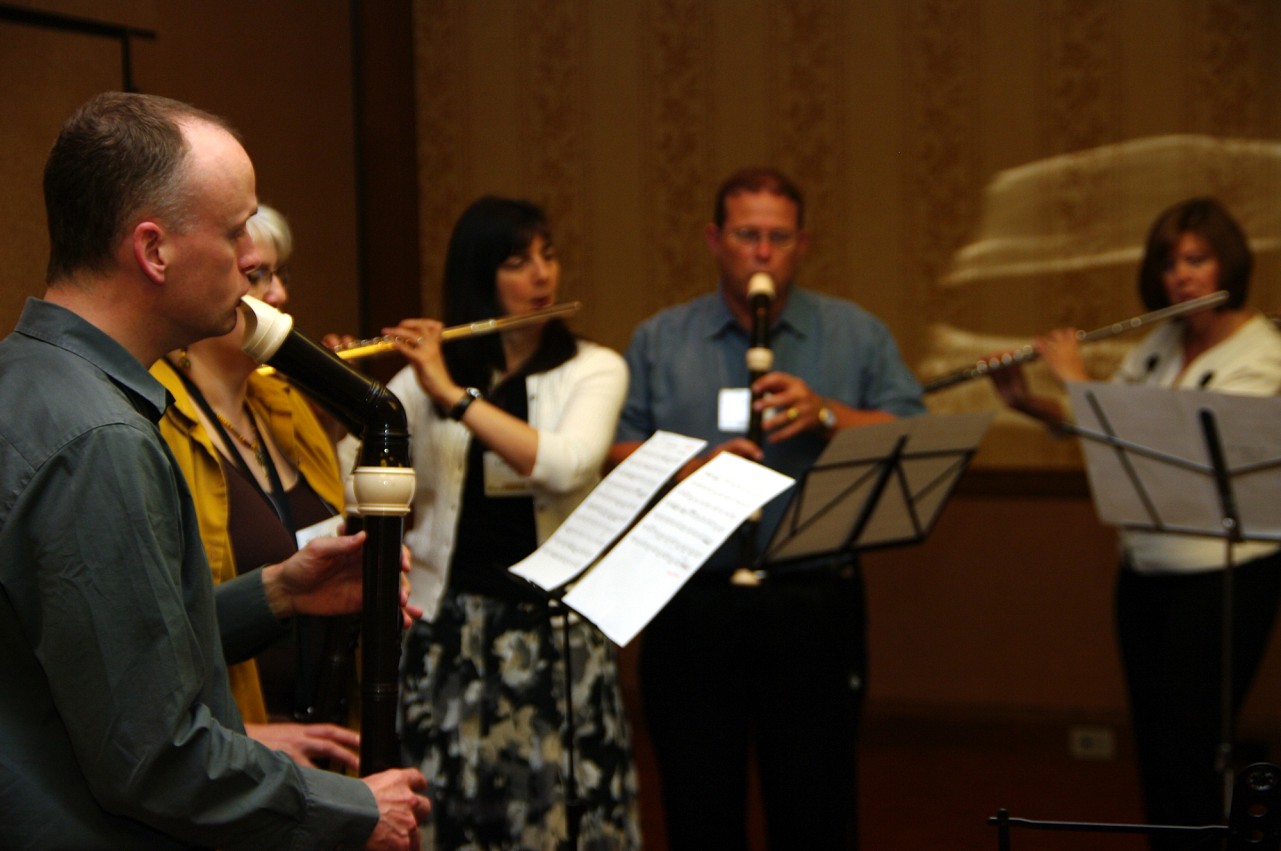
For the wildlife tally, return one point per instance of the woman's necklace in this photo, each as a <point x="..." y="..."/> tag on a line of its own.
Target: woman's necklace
<point x="255" y="446"/>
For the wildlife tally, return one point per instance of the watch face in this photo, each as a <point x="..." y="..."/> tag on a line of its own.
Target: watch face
<point x="827" y="417"/>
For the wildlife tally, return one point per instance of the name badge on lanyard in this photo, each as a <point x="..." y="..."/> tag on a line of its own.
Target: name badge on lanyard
<point x="733" y="409"/>
<point x="501" y="479"/>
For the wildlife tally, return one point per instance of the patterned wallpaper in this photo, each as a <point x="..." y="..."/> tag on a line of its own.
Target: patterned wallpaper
<point x="898" y="118"/>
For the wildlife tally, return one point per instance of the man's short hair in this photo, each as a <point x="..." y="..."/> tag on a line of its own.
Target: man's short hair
<point x="118" y="158"/>
<point x="759" y="179"/>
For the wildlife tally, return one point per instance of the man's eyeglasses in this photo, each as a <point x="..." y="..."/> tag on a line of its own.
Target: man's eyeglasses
<point x="752" y="237"/>
<point x="261" y="276"/>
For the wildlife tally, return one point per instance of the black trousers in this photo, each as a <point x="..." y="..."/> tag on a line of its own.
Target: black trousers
<point x="1170" y="633"/>
<point x="775" y="671"/>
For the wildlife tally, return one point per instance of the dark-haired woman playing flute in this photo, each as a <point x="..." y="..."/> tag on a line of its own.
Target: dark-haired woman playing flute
<point x="509" y="432"/>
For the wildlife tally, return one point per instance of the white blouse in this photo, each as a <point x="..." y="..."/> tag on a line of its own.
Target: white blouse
<point x="1248" y="363"/>
<point x="575" y="409"/>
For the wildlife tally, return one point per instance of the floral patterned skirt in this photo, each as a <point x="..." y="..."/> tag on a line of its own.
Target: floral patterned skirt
<point x="483" y="716"/>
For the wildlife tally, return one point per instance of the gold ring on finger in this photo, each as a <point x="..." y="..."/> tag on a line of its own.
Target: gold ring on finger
<point x="793" y="413"/>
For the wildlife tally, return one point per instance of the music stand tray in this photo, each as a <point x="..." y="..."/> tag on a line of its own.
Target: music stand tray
<point x="874" y="486"/>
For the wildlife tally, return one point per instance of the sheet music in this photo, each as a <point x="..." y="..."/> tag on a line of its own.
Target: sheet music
<point x="610" y="508"/>
<point x="651" y="563"/>
<point x="1180" y="486"/>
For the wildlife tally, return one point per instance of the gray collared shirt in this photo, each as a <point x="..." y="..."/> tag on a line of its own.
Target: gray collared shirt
<point x="117" y="725"/>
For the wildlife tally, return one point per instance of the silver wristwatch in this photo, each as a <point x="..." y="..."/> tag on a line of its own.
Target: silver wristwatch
<point x="827" y="417"/>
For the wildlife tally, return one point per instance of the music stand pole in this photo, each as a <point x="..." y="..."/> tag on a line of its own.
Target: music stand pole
<point x="1183" y="494"/>
<point x="1231" y="523"/>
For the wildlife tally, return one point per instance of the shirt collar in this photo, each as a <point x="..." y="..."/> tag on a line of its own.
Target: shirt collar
<point x="799" y="315"/>
<point x="60" y="327"/>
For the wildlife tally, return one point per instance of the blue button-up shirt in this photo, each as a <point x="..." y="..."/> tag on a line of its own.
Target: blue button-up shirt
<point x="682" y="357"/>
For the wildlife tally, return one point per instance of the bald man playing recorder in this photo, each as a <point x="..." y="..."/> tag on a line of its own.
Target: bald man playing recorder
<point x="117" y="725"/>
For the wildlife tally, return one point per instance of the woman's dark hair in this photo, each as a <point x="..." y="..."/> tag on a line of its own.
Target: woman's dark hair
<point x="1211" y="221"/>
<point x="487" y="233"/>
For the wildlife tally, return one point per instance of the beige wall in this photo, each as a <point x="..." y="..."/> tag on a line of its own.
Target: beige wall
<point x="44" y="75"/>
<point x="897" y="116"/>
<point x="621" y="116"/>
<point x="280" y="72"/>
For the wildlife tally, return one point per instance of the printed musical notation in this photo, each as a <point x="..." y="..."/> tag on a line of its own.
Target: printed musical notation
<point x="634" y="580"/>
<point x="649" y="565"/>
<point x="607" y="511"/>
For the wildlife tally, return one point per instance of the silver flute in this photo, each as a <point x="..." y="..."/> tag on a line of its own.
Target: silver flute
<point x="1029" y="353"/>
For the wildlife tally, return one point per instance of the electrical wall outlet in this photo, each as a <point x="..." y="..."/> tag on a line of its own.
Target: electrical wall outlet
<point x="1092" y="742"/>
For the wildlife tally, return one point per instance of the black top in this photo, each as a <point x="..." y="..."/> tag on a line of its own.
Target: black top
<point x="288" y="668"/>
<point x="494" y="532"/>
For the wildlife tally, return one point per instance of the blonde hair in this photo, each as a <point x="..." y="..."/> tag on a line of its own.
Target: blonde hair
<point x="268" y="223"/>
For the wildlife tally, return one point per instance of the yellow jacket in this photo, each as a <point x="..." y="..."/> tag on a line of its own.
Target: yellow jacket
<point x="301" y="438"/>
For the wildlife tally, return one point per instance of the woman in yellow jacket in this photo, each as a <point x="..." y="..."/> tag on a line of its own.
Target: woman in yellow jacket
<point x="264" y="478"/>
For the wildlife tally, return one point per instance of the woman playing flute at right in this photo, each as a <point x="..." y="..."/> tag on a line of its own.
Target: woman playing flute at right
<point x="1169" y="589"/>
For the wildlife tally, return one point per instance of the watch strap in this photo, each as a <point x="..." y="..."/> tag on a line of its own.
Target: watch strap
<point x="470" y="394"/>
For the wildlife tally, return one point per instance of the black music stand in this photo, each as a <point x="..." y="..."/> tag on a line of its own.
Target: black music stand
<point x="1254" y="823"/>
<point x="1174" y="472"/>
<point x="1191" y="462"/>
<point x="875" y="486"/>
<point x="1181" y="461"/>
<point x="1185" y="461"/>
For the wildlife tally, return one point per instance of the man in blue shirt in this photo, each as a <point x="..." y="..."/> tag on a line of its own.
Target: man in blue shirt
<point x="742" y="660"/>
<point x="117" y="725"/>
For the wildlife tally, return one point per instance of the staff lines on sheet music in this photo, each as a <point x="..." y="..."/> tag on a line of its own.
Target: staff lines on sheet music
<point x="696" y="508"/>
<point x="671" y="545"/>
<point x="716" y="507"/>
<point x="695" y="531"/>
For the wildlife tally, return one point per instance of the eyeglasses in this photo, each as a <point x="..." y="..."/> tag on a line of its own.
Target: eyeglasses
<point x="752" y="237"/>
<point x="262" y="275"/>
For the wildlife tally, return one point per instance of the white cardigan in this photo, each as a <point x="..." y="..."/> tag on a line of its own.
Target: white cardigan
<point x="575" y="409"/>
<point x="1248" y="363"/>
